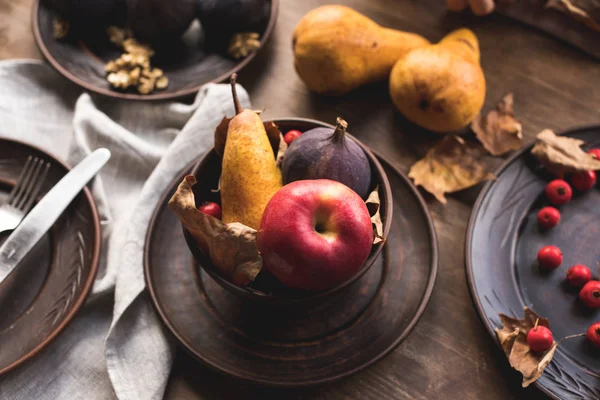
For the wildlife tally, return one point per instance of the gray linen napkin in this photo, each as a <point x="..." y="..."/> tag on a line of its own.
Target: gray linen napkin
<point x="116" y="345"/>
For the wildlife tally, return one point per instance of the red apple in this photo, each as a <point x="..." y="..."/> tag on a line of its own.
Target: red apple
<point x="315" y="234"/>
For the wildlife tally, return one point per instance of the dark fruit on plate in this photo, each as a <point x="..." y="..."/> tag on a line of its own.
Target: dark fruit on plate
<point x="539" y="339"/>
<point x="578" y="275"/>
<point x="221" y="19"/>
<point x="549" y="257"/>
<point x="87" y="13"/>
<point x="548" y="217"/>
<point x="326" y="153"/>
<point x="583" y="180"/>
<point x="292" y="135"/>
<point x="595" y="153"/>
<point x="558" y="192"/>
<point x="593" y="334"/>
<point x="158" y="20"/>
<point x="315" y="234"/>
<point x="211" y="208"/>
<point x="590" y="294"/>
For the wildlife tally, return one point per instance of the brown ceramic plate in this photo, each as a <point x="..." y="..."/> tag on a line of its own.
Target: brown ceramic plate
<point x="283" y="346"/>
<point x="501" y="249"/>
<point x="185" y="63"/>
<point x="47" y="289"/>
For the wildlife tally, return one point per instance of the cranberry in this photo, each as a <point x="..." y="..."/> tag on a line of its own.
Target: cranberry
<point x="595" y="153"/>
<point x="548" y="217"/>
<point x="593" y="334"/>
<point x="211" y="208"/>
<point x="578" y="275"/>
<point x="549" y="257"/>
<point x="583" y="180"/>
<point x="590" y="294"/>
<point x="558" y="192"/>
<point x="539" y="338"/>
<point x="290" y="136"/>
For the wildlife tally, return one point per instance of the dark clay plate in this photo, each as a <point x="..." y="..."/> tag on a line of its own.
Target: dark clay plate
<point x="47" y="289"/>
<point x="184" y="62"/>
<point x="296" y="346"/>
<point x="502" y="243"/>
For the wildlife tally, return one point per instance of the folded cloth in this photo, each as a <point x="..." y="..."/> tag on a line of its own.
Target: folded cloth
<point x="116" y="347"/>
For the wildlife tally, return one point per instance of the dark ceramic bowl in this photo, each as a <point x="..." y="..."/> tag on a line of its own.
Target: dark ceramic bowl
<point x="266" y="288"/>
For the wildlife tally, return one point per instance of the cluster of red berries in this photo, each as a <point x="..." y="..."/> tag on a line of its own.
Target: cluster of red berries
<point x="559" y="192"/>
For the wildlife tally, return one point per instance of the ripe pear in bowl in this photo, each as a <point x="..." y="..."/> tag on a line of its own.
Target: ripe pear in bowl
<point x="440" y="87"/>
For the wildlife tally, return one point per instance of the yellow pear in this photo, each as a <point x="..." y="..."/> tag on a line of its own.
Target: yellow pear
<point x="337" y="49"/>
<point x="250" y="175"/>
<point x="440" y="87"/>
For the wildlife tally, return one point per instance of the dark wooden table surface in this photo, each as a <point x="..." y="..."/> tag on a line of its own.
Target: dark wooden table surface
<point x="449" y="355"/>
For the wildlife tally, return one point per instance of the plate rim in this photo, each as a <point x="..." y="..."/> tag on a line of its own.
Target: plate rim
<point x="149" y="97"/>
<point x="469" y="239"/>
<point x="425" y="299"/>
<point x="95" y="263"/>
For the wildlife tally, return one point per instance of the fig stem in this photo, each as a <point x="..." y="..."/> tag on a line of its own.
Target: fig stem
<point x="236" y="100"/>
<point x="340" y="131"/>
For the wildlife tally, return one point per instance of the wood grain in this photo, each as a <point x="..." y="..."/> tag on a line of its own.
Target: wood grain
<point x="449" y="355"/>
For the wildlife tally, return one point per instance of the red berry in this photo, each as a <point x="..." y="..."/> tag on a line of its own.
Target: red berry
<point x="548" y="217"/>
<point x="590" y="294"/>
<point x="558" y="192"/>
<point x="539" y="338"/>
<point x="595" y="153"/>
<point x="593" y="334"/>
<point x="549" y="257"/>
<point x="291" y="136"/>
<point x="211" y="208"/>
<point x="583" y="180"/>
<point x="578" y="275"/>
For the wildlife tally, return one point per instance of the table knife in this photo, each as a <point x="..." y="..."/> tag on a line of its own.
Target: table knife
<point x="41" y="218"/>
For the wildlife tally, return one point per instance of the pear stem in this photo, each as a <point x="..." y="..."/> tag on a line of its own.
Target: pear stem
<point x="340" y="131"/>
<point x="236" y="100"/>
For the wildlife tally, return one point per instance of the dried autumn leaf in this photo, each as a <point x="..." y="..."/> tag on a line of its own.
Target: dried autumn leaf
<point x="273" y="133"/>
<point x="231" y="247"/>
<point x="451" y="165"/>
<point x="513" y="339"/>
<point x="562" y="155"/>
<point x="373" y="205"/>
<point x="499" y="132"/>
<point x="585" y="11"/>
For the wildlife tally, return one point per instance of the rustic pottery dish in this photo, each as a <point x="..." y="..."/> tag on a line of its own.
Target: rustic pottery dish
<point x="317" y="343"/>
<point x="185" y="63"/>
<point x="502" y="242"/>
<point x="47" y="289"/>
<point x="266" y="288"/>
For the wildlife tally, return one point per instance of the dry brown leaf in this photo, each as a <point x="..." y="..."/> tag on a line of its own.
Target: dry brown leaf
<point x="499" y="132"/>
<point x="231" y="247"/>
<point x="585" y="11"/>
<point x="271" y="128"/>
<point x="451" y="165"/>
<point x="513" y="339"/>
<point x="562" y="155"/>
<point x="281" y="149"/>
<point x="373" y="205"/>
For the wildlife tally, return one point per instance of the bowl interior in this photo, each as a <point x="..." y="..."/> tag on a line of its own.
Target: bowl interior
<point x="81" y="56"/>
<point x="266" y="286"/>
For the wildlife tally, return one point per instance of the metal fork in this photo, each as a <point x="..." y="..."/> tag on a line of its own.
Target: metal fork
<point x="22" y="196"/>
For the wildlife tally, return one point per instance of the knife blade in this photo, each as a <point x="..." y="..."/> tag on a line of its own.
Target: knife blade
<point x="41" y="218"/>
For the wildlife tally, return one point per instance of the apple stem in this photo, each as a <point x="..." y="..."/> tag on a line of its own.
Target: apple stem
<point x="340" y="131"/>
<point x="236" y="100"/>
<point x="536" y="324"/>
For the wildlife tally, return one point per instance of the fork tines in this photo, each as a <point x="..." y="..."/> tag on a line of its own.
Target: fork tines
<point x="29" y="184"/>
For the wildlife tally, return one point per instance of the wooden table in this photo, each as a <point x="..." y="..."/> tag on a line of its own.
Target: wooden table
<point x="449" y="355"/>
